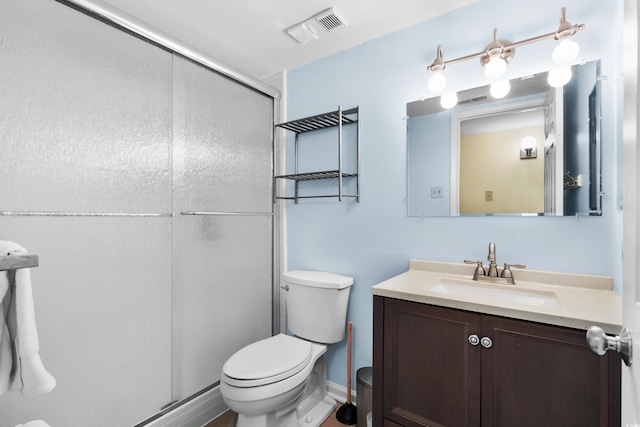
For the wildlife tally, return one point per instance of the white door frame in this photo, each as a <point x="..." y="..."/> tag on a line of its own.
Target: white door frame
<point x="631" y="215"/>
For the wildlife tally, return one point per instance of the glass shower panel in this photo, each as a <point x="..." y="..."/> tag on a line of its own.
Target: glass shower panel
<point x="223" y="142"/>
<point x="86" y="114"/>
<point x="102" y="297"/>
<point x="85" y="128"/>
<point x="221" y="295"/>
<point x="222" y="264"/>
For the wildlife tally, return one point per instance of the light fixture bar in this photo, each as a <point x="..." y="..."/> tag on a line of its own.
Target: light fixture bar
<point x="565" y="28"/>
<point x="576" y="27"/>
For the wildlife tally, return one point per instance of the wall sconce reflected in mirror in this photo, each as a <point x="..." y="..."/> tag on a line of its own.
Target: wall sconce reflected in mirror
<point x="497" y="54"/>
<point x="528" y="148"/>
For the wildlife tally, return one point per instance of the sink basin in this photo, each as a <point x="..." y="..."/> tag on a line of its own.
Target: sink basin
<point x="502" y="293"/>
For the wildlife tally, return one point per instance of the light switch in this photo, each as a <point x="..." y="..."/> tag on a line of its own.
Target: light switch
<point x="488" y="196"/>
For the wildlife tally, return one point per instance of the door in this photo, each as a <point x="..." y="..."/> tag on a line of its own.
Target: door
<point x="631" y="222"/>
<point x="554" y="152"/>
<point x="222" y="224"/>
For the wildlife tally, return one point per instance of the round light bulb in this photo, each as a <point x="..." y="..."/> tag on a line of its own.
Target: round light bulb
<point x="495" y="68"/>
<point x="500" y="89"/>
<point x="437" y="82"/>
<point x="449" y="100"/>
<point x="528" y="143"/>
<point x="559" y="77"/>
<point x="565" y="52"/>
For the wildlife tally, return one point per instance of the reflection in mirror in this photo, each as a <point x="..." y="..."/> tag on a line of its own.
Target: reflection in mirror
<point x="494" y="143"/>
<point x="534" y="152"/>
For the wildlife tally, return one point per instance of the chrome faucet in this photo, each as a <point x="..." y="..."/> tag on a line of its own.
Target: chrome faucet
<point x="491" y="274"/>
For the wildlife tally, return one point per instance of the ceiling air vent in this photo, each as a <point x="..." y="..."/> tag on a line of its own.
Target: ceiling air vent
<point x="331" y="20"/>
<point x="303" y="33"/>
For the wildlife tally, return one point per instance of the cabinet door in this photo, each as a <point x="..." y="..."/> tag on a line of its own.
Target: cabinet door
<point x="431" y="371"/>
<point x="539" y="375"/>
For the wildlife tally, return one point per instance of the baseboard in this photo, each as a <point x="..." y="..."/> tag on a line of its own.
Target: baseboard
<point x="195" y="413"/>
<point x="339" y="393"/>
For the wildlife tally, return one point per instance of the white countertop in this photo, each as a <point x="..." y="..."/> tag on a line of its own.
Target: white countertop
<point x="577" y="300"/>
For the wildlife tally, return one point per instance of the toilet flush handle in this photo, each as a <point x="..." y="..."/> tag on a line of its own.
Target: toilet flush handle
<point x="285" y="287"/>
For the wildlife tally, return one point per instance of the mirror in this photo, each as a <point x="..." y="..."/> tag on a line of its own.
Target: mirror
<point x="471" y="159"/>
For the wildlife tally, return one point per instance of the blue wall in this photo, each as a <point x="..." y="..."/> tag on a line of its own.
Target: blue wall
<point x="373" y="240"/>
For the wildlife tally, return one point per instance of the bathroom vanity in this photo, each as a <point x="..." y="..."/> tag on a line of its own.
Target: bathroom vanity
<point x="456" y="352"/>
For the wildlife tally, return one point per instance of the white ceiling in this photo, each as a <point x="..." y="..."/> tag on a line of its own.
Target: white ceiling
<point x="250" y="35"/>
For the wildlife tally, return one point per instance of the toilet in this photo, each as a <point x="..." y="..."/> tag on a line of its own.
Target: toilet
<point x="281" y="381"/>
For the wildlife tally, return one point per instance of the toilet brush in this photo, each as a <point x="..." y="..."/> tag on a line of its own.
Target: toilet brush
<point x="348" y="414"/>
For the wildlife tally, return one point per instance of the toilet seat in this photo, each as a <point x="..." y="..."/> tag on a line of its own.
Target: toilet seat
<point x="267" y="361"/>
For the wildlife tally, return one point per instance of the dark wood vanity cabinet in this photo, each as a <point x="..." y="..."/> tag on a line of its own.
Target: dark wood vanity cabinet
<point x="430" y="370"/>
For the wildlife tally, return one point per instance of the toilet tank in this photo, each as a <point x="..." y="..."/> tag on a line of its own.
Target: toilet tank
<point x="316" y="304"/>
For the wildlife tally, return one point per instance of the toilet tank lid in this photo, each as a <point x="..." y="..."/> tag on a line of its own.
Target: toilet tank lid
<point x="318" y="279"/>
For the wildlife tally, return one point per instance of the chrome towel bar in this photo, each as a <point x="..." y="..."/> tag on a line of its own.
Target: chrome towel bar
<point x="227" y="213"/>
<point x="90" y="214"/>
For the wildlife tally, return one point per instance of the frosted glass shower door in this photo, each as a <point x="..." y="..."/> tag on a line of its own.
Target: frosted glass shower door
<point x="85" y="183"/>
<point x="222" y="275"/>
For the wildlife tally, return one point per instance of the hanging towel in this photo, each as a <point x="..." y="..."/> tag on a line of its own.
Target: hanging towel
<point x="36" y="423"/>
<point x="20" y="364"/>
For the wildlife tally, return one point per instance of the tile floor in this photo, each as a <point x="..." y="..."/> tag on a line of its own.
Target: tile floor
<point x="228" y="419"/>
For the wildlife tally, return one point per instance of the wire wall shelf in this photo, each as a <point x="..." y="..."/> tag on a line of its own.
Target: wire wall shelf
<point x="335" y="119"/>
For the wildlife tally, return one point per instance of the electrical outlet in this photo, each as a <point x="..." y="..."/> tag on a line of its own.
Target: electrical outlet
<point x="436" y="192"/>
<point x="488" y="196"/>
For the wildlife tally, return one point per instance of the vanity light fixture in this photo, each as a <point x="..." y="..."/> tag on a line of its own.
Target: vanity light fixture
<point x="497" y="54"/>
<point x="438" y="81"/>
<point x="567" y="50"/>
<point x="528" y="148"/>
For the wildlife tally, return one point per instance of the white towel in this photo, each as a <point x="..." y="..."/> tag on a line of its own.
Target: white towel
<point x="36" y="423"/>
<point x="20" y="364"/>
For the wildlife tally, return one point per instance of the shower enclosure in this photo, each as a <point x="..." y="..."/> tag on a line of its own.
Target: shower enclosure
<point x="143" y="181"/>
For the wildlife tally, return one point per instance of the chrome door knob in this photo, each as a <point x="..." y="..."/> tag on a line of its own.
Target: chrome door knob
<point x="599" y="342"/>
<point x="486" y="342"/>
<point x="474" y="340"/>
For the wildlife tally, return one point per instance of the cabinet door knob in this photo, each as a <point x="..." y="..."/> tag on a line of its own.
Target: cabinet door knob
<point x="474" y="340"/>
<point x="486" y="342"/>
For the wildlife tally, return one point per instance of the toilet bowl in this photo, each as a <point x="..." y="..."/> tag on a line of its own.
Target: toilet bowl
<point x="281" y="381"/>
<point x="285" y="374"/>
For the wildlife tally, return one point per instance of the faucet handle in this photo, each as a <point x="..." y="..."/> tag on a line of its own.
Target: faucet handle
<point x="479" y="271"/>
<point x="506" y="271"/>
